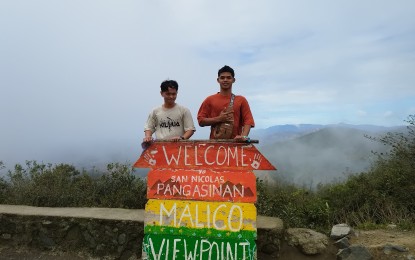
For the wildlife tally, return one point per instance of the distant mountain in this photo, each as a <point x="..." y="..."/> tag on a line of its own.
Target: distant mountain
<point x="283" y="132"/>
<point x="279" y="133"/>
<point x="312" y="154"/>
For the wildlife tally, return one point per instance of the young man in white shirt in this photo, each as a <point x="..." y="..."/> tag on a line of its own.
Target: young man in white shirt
<point x="170" y="121"/>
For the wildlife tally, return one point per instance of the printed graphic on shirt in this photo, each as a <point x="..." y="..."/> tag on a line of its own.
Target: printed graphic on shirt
<point x="169" y="123"/>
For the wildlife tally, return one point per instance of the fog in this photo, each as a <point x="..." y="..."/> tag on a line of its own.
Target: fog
<point x="78" y="78"/>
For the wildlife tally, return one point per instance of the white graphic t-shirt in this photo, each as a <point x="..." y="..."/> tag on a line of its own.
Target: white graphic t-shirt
<point x="169" y="122"/>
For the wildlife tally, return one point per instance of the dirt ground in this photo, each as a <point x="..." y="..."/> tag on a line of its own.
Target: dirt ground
<point x="375" y="240"/>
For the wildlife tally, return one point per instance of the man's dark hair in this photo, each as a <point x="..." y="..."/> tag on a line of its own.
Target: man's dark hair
<point x="226" y="68"/>
<point x="165" y="85"/>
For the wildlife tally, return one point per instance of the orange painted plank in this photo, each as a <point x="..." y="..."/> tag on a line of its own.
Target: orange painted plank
<point x="203" y="155"/>
<point x="207" y="185"/>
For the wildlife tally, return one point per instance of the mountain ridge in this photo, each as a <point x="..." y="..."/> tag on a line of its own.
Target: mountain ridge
<point x="315" y="155"/>
<point x="290" y="131"/>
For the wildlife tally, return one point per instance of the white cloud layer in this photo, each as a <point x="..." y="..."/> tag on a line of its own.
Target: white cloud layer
<point x="87" y="71"/>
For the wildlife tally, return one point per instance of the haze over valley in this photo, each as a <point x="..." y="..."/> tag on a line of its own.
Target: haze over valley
<point x="305" y="154"/>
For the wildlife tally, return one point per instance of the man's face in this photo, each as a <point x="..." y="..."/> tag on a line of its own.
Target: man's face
<point x="169" y="96"/>
<point x="226" y="80"/>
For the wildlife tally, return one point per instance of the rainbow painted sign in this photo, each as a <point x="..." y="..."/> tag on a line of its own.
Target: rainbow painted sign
<point x="201" y="199"/>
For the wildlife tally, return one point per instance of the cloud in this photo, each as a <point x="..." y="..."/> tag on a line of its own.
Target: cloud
<point x="89" y="71"/>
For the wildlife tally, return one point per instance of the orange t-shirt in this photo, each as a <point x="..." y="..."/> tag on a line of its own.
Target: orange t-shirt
<point x="213" y="105"/>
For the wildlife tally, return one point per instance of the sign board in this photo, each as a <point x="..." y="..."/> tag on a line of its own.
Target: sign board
<point x="191" y="248"/>
<point x="203" y="155"/>
<point x="200" y="218"/>
<point x="201" y="199"/>
<point x="207" y="185"/>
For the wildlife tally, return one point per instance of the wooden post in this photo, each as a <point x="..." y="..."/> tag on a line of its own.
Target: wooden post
<point x="201" y="199"/>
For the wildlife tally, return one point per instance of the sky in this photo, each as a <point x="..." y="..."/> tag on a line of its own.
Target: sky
<point x="85" y="73"/>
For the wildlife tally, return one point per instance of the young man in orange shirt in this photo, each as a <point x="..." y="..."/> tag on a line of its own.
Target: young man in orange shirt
<point x="213" y="110"/>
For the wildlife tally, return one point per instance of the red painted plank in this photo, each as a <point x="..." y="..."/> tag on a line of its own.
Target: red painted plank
<point x="207" y="185"/>
<point x="203" y="155"/>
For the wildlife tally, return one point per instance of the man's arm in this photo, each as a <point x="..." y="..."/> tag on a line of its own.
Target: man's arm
<point x="188" y="125"/>
<point x="185" y="136"/>
<point x="245" y="130"/>
<point x="247" y="119"/>
<point x="148" y="136"/>
<point x="224" y="116"/>
<point x="188" y="134"/>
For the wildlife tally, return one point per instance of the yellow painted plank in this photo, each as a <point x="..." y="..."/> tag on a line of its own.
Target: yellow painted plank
<point x="224" y="216"/>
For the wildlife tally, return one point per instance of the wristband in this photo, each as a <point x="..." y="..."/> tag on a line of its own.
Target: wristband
<point x="182" y="137"/>
<point x="247" y="138"/>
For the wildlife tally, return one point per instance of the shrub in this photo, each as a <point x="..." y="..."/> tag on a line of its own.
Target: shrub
<point x="297" y="207"/>
<point x="385" y="193"/>
<point x="63" y="185"/>
<point x="120" y="188"/>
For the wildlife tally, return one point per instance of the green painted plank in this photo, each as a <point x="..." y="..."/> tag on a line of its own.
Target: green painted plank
<point x="199" y="232"/>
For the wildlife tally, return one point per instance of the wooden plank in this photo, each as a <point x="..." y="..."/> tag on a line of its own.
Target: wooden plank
<point x="199" y="232"/>
<point x="204" y="219"/>
<point x="207" y="185"/>
<point x="165" y="247"/>
<point x="203" y="155"/>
